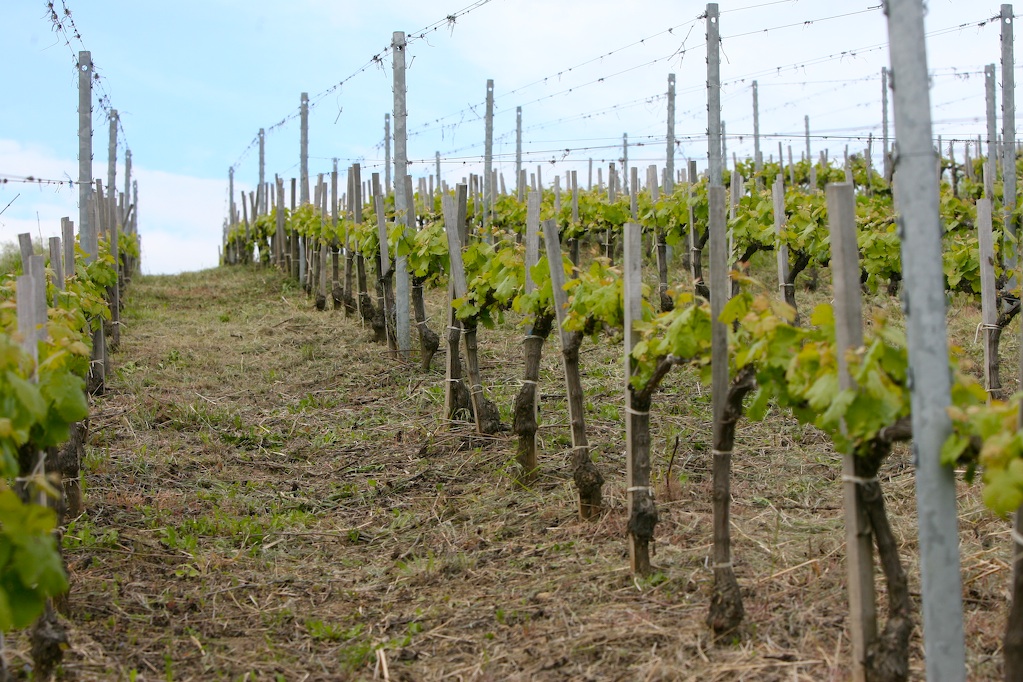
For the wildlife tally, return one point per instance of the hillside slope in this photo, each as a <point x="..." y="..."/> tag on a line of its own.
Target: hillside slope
<point x="269" y="495"/>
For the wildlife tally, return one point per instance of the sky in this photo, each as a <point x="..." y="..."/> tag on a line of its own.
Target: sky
<point x="195" y="80"/>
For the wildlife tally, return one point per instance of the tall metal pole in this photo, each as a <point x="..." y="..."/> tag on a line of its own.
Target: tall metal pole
<point x="714" y="167"/>
<point x="806" y="123"/>
<point x="1013" y="665"/>
<point x="726" y="606"/>
<point x="437" y="159"/>
<point x="402" y="293"/>
<point x="230" y="196"/>
<point x="886" y="158"/>
<point x="1011" y="260"/>
<point x="625" y="163"/>
<point x="111" y="175"/>
<point x="127" y="181"/>
<point x="924" y="305"/>
<point x="387" y="153"/>
<point x="758" y="161"/>
<point x="669" y="163"/>
<point x="303" y="182"/>
<point x="724" y="146"/>
<point x="520" y="187"/>
<point x="86" y="227"/>
<point x="261" y="191"/>
<point x="112" y="220"/>
<point x="488" y="159"/>
<point x="991" y="166"/>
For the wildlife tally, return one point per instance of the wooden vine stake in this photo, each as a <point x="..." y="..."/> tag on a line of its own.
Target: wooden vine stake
<point x="693" y="256"/>
<point x="587" y="477"/>
<point x="279" y="227"/>
<point x="612" y="196"/>
<point x="726" y="609"/>
<point x="787" y="288"/>
<point x="532" y="346"/>
<point x="321" y="246"/>
<point x="429" y="341"/>
<point x="291" y="236"/>
<point x="988" y="299"/>
<point x="32" y="317"/>
<point x="26" y="310"/>
<point x="71" y="452"/>
<point x="25" y="244"/>
<point x="485" y="413"/>
<point x="573" y="243"/>
<point x="457" y="402"/>
<point x="336" y="292"/>
<point x="845" y="268"/>
<point x="660" y="246"/>
<point x="96" y="382"/>
<point x="384" y="264"/>
<point x="67" y="229"/>
<point x="56" y="264"/>
<point x="642" y="509"/>
<point x="366" y="307"/>
<point x="348" y="295"/>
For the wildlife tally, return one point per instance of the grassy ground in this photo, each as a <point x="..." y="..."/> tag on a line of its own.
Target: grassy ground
<point x="270" y="496"/>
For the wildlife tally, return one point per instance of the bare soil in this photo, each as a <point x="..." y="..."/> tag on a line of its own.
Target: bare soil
<point x="270" y="495"/>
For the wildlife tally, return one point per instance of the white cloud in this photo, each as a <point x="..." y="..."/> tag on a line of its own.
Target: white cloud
<point x="180" y="221"/>
<point x="180" y="217"/>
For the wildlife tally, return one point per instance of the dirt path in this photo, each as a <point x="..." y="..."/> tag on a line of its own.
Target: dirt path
<point x="270" y="497"/>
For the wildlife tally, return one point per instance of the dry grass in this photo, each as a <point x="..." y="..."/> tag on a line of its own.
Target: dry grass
<point x="270" y="495"/>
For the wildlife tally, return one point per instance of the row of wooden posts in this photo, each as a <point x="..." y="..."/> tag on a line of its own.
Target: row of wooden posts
<point x="926" y="327"/>
<point x="462" y="399"/>
<point x="33" y="315"/>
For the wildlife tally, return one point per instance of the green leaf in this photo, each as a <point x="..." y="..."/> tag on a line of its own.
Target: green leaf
<point x="735" y="309"/>
<point x="823" y="316"/>
<point x="823" y="392"/>
<point x="28" y="395"/>
<point x="837" y="409"/>
<point x="758" y="406"/>
<point x="66" y="393"/>
<point x="954" y="446"/>
<point x="1001" y="495"/>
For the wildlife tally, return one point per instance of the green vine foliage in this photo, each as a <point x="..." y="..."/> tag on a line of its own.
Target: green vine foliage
<point x="595" y="299"/>
<point x="493" y="275"/>
<point x="668" y="214"/>
<point x="987" y="437"/>
<point x="696" y="200"/>
<point x="39" y="402"/>
<point x="683" y="333"/>
<point x="598" y="215"/>
<point x="509" y="217"/>
<point x="752" y="228"/>
<point x="540" y="301"/>
<point x="426" y="251"/>
<point x="797" y="367"/>
<point x="127" y="245"/>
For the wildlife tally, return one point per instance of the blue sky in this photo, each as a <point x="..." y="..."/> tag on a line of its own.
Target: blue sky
<point x="195" y="80"/>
